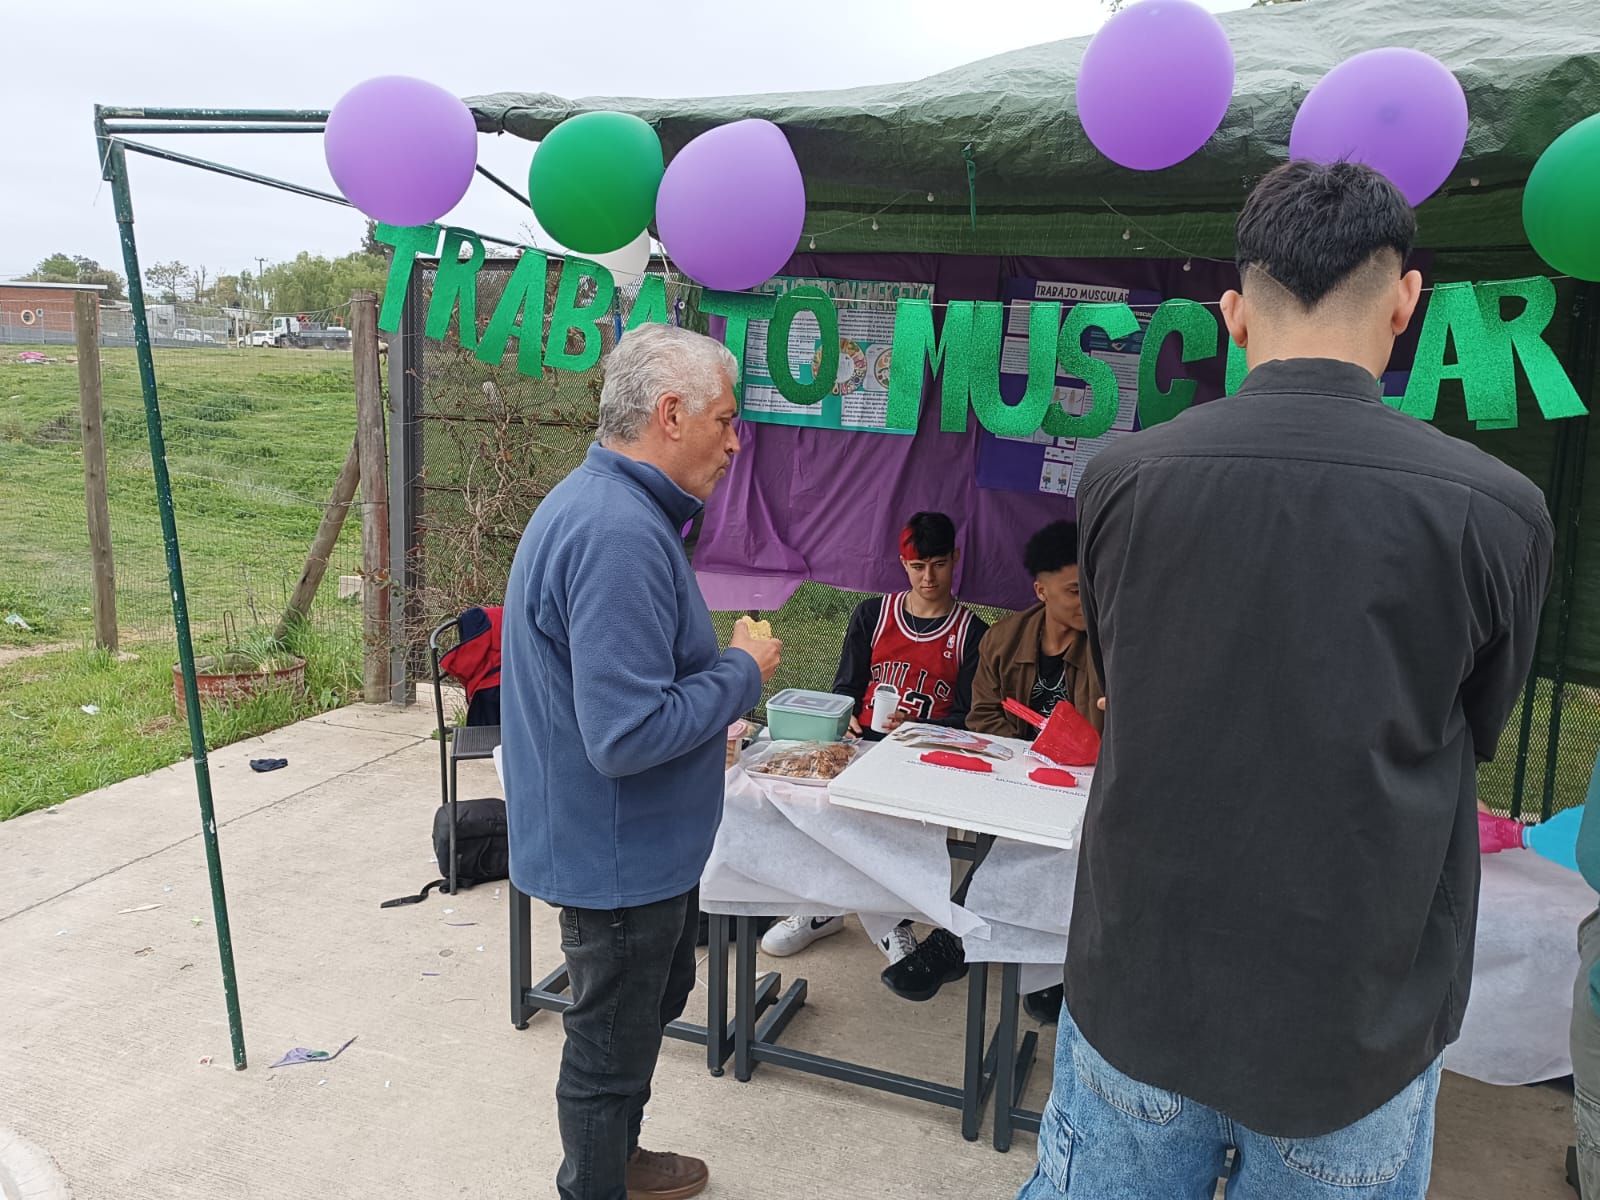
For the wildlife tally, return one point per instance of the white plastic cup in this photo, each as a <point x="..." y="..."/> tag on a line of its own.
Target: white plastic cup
<point x="885" y="703"/>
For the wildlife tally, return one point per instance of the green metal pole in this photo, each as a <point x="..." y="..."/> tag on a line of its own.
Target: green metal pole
<point x="1530" y="691"/>
<point x="113" y="112"/>
<point x="115" y="171"/>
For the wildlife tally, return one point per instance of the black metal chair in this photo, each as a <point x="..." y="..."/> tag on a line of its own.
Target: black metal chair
<point x="457" y="743"/>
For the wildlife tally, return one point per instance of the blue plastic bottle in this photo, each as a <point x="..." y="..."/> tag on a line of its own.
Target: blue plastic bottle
<point x="1557" y="838"/>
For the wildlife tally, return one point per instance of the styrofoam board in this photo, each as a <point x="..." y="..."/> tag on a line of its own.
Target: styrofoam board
<point x="893" y="780"/>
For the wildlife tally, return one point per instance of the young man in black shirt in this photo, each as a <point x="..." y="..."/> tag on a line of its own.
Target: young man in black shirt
<point x="1312" y="615"/>
<point x="924" y="643"/>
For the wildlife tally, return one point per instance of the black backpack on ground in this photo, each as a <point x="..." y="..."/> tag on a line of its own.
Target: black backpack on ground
<point x="482" y="853"/>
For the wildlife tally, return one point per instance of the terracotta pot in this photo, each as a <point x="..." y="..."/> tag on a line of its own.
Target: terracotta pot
<point x="229" y="678"/>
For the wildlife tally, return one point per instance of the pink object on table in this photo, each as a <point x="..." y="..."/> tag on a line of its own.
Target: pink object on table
<point x="1498" y="833"/>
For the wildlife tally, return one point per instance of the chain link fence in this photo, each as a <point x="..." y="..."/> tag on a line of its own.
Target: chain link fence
<point x="255" y="440"/>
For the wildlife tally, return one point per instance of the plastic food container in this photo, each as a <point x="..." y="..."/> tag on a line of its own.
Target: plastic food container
<point x="797" y="716"/>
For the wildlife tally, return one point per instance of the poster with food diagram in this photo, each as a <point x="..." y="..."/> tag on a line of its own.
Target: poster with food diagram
<point x="859" y="399"/>
<point x="1040" y="462"/>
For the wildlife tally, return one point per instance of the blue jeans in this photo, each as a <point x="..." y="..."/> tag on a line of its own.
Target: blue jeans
<point x="1108" y="1137"/>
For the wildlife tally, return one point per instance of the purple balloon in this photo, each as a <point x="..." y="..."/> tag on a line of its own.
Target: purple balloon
<point x="1155" y="83"/>
<point x="1399" y="111"/>
<point x="401" y="150"/>
<point x="732" y="205"/>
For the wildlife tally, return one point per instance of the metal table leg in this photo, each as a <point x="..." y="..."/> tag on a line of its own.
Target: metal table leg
<point x="1014" y="1063"/>
<point x="744" y="986"/>
<point x="977" y="1078"/>
<point x="718" y="1043"/>
<point x="521" y="956"/>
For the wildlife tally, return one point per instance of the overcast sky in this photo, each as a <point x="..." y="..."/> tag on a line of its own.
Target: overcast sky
<point x="64" y="56"/>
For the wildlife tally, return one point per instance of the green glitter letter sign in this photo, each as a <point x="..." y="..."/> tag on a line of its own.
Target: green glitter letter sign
<point x="915" y="347"/>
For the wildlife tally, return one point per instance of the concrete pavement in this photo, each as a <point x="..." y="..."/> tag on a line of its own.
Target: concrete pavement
<point x="109" y="1014"/>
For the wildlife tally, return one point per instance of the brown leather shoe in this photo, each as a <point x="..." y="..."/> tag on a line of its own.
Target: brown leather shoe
<point x="659" y="1176"/>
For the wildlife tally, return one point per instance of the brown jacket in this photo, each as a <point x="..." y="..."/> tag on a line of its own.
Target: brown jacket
<point x="1008" y="660"/>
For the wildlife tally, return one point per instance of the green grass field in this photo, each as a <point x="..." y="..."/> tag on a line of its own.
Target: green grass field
<point x="255" y="440"/>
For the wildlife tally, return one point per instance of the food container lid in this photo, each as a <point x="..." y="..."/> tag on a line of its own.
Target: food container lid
<point x="811" y="704"/>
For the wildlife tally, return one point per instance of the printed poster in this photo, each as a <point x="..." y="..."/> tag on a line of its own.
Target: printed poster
<point x="860" y="396"/>
<point x="1051" y="465"/>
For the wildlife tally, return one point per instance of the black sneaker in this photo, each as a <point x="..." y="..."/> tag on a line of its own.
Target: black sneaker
<point x="1044" y="1006"/>
<point x="919" y="975"/>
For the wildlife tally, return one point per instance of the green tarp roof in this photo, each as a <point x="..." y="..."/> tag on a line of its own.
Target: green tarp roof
<point x="1530" y="68"/>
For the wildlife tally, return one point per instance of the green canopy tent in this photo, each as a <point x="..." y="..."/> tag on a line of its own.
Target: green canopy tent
<point x="989" y="158"/>
<point x="898" y="151"/>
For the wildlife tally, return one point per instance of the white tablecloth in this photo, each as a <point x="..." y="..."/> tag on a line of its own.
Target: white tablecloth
<point x="783" y="848"/>
<point x="1515" y="1030"/>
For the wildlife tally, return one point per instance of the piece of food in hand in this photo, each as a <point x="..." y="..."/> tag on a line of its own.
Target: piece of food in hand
<point x="757" y="631"/>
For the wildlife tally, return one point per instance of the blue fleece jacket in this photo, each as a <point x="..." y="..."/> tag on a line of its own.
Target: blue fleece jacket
<point x="615" y="694"/>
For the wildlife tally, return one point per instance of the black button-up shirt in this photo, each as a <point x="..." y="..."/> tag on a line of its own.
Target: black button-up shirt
<point x="1313" y="616"/>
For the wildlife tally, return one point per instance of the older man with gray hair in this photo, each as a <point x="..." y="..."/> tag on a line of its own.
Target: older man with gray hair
<point x="615" y="703"/>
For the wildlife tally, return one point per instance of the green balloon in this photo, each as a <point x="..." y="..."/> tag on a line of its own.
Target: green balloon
<point x="1559" y="203"/>
<point x="594" y="179"/>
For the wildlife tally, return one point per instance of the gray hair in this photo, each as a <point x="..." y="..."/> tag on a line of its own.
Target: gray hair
<point x="651" y="361"/>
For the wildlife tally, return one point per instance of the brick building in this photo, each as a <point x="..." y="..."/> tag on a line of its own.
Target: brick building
<point x="39" y="311"/>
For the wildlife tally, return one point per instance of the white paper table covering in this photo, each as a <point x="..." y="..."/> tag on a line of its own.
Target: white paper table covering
<point x="783" y="848"/>
<point x="1524" y="965"/>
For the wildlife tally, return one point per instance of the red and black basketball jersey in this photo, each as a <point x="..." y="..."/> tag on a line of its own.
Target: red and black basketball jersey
<point x="924" y="666"/>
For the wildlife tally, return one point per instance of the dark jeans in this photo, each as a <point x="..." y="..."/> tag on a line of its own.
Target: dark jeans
<point x="631" y="971"/>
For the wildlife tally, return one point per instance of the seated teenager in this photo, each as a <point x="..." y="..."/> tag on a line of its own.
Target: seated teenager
<point x="924" y="643"/>
<point x="1041" y="657"/>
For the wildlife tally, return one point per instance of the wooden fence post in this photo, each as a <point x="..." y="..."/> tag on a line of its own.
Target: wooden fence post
<point x="86" y="323"/>
<point x="305" y="589"/>
<point x="374" y="458"/>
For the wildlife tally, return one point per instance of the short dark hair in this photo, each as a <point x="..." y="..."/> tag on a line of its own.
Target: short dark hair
<point x="1052" y="548"/>
<point x="1310" y="226"/>
<point x="933" y="534"/>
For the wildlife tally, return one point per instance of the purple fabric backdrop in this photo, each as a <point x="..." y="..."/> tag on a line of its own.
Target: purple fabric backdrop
<point x="828" y="505"/>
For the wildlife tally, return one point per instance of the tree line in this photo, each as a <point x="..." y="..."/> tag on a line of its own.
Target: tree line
<point x="306" y="283"/>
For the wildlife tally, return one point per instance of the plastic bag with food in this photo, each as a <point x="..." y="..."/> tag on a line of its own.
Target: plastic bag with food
<point x="800" y="762"/>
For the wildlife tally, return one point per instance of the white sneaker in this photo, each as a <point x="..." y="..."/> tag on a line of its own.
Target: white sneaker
<point x="900" y="942"/>
<point x="793" y="934"/>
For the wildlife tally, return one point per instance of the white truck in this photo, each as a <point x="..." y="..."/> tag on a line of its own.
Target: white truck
<point x="302" y="334"/>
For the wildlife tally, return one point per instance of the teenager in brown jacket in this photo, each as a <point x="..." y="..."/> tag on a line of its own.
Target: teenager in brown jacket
<point x="1039" y="656"/>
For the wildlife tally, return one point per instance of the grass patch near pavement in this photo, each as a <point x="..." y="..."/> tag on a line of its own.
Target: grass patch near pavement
<point x="52" y="750"/>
